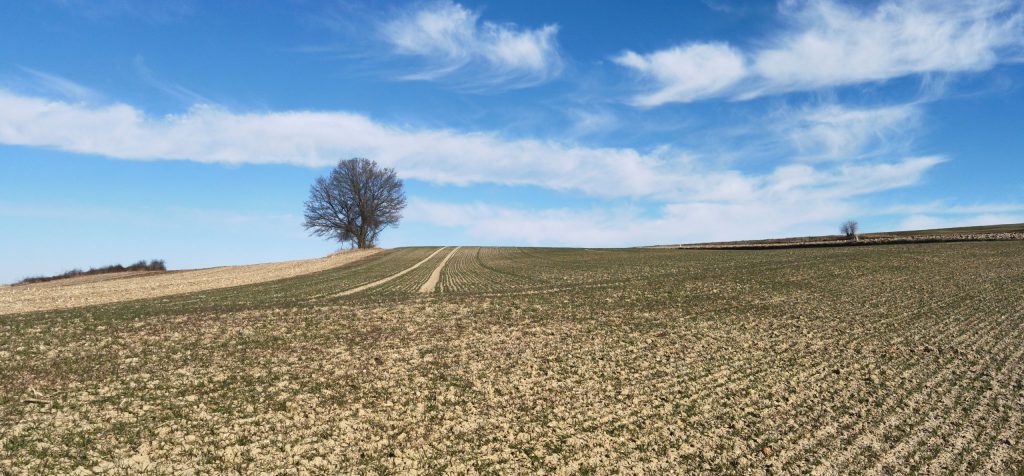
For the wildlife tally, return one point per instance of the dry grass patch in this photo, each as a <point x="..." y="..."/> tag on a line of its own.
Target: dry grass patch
<point x="100" y="289"/>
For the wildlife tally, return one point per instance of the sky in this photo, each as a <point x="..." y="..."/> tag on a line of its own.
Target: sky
<point x="191" y="131"/>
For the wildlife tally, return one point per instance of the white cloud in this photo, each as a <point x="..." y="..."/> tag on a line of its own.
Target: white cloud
<point x="941" y="208"/>
<point x="793" y="200"/>
<point x="309" y="138"/>
<point x="834" y="132"/>
<point x="830" y="44"/>
<point x="452" y="40"/>
<point x="706" y="199"/>
<point x="625" y="226"/>
<point x="685" y="73"/>
<point x="939" y="214"/>
<point x="591" y="121"/>
<point x="927" y="222"/>
<point x="495" y="224"/>
<point x="836" y="44"/>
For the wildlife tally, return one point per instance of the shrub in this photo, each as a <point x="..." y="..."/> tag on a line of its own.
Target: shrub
<point x="141" y="265"/>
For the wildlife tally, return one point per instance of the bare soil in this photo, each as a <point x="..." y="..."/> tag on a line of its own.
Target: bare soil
<point x="428" y="287"/>
<point x="902" y="359"/>
<point x="389" y="278"/>
<point x="114" y="287"/>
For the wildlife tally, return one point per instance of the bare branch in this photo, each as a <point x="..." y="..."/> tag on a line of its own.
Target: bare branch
<point x="354" y="203"/>
<point x="849" y="229"/>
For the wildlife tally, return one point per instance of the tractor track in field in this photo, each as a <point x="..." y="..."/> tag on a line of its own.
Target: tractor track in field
<point x="389" y="278"/>
<point x="431" y="284"/>
<point x="864" y="360"/>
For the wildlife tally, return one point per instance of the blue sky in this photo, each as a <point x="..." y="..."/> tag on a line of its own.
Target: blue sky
<point x="191" y="131"/>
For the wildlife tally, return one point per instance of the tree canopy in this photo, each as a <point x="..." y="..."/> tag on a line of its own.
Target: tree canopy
<point x="355" y="202"/>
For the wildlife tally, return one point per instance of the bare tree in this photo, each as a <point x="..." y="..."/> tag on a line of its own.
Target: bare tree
<point x="355" y="202"/>
<point x="849" y="229"/>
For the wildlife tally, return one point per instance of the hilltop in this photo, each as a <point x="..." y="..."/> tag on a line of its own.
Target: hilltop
<point x="938" y="235"/>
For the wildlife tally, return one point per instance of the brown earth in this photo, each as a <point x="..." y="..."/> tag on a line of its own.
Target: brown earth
<point x="428" y="287"/>
<point x="389" y="278"/>
<point x="900" y="359"/>
<point x="114" y="287"/>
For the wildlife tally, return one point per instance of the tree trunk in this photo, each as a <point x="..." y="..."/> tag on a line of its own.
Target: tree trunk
<point x="361" y="238"/>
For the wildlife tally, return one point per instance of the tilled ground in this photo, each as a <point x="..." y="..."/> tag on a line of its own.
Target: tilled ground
<point x="897" y="359"/>
<point x="114" y="287"/>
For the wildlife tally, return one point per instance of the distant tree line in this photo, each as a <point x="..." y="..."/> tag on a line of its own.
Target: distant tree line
<point x="142" y="265"/>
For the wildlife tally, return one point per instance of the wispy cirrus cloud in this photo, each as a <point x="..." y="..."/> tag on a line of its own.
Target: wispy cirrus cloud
<point x="941" y="214"/>
<point x="455" y="44"/>
<point x="792" y="200"/>
<point x="688" y="72"/>
<point x="177" y="91"/>
<point x="943" y="208"/>
<point x="836" y="132"/>
<point x="806" y="212"/>
<point x="925" y="222"/>
<point x="828" y="44"/>
<point x="212" y="134"/>
<point x="44" y="83"/>
<point x="698" y="199"/>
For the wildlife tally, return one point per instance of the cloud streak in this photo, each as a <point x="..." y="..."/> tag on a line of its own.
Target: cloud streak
<point x="455" y="44"/>
<point x="177" y="91"/>
<point x="802" y="214"/>
<point x="314" y="139"/>
<point x="211" y="134"/>
<point x="834" y="132"/>
<point x="688" y="72"/>
<point x="828" y="44"/>
<point x="696" y="201"/>
<point x="925" y="222"/>
<point x="41" y="82"/>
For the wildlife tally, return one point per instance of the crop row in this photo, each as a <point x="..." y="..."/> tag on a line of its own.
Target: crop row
<point x="882" y="360"/>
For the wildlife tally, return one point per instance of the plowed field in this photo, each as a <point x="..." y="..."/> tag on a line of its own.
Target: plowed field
<point x="867" y="360"/>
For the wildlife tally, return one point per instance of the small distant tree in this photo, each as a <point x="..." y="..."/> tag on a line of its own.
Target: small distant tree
<point x="849" y="229"/>
<point x="355" y="202"/>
